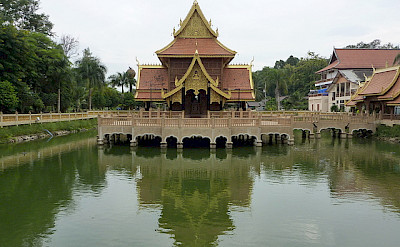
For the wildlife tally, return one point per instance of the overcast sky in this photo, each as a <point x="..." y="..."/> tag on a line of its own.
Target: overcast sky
<point x="118" y="31"/>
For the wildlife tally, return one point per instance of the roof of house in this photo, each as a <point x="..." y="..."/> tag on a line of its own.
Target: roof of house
<point x="361" y="58"/>
<point x="189" y="46"/>
<point x="380" y="82"/>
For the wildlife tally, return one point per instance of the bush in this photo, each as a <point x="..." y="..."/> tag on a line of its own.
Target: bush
<point x="386" y="131"/>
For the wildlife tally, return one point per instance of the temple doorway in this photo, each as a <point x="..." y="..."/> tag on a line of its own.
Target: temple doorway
<point x="196" y="105"/>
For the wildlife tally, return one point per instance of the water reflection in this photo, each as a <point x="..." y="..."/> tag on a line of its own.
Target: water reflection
<point x="197" y="196"/>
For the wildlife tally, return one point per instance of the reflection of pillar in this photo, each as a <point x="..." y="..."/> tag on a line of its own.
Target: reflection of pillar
<point x="229" y="145"/>
<point x="213" y="145"/>
<point x="179" y="145"/>
<point x="343" y="135"/>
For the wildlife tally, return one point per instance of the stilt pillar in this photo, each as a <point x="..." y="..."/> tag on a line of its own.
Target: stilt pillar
<point x="229" y="145"/>
<point x="343" y="135"/>
<point x="133" y="143"/>
<point x="213" y="145"/>
<point x="100" y="142"/>
<point x="350" y="135"/>
<point x="258" y="143"/>
<point x="290" y="142"/>
<point x="318" y="135"/>
<point x="163" y="145"/>
<point x="311" y="135"/>
<point x="179" y="145"/>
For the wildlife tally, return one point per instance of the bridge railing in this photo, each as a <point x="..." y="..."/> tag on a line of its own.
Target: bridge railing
<point x="245" y="121"/>
<point x="20" y="119"/>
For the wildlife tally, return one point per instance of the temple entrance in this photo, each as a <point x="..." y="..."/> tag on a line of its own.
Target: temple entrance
<point x="196" y="105"/>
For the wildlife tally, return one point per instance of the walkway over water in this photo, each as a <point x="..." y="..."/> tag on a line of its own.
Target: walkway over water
<point x="226" y="126"/>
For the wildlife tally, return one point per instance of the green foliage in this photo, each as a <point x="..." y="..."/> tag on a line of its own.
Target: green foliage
<point x="386" y="131"/>
<point x="375" y="44"/>
<point x="9" y="132"/>
<point x="293" y="77"/>
<point x="334" y="108"/>
<point x="8" y="97"/>
<point x="92" y="71"/>
<point x="128" y="102"/>
<point x="124" y="79"/>
<point x="23" y="14"/>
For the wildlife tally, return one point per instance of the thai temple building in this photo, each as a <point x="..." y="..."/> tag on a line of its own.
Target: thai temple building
<point x="347" y="69"/>
<point x="195" y="75"/>
<point x="380" y="93"/>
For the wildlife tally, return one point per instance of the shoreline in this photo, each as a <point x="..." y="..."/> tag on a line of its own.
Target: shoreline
<point x="26" y="133"/>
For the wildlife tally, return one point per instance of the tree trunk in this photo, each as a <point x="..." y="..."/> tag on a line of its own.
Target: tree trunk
<point x="277" y="96"/>
<point x="122" y="89"/>
<point x="59" y="101"/>
<point x="90" y="99"/>
<point x="130" y="87"/>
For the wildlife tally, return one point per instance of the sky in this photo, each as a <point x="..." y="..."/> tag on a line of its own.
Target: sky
<point x="119" y="31"/>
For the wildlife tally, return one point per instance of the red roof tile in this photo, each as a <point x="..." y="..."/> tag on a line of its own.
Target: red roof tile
<point x="241" y="96"/>
<point x="379" y="83"/>
<point x="236" y="78"/>
<point x="393" y="92"/>
<point x="203" y="46"/>
<point x="153" y="96"/>
<point x="396" y="101"/>
<point x="153" y="78"/>
<point x="362" y="58"/>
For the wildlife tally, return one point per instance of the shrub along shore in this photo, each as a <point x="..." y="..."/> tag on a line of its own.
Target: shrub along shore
<point x="388" y="133"/>
<point x="36" y="131"/>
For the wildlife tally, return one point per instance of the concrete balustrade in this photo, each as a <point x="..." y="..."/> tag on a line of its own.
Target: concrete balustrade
<point x="229" y="124"/>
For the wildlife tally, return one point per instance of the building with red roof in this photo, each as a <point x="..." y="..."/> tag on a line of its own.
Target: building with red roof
<point x="346" y="70"/>
<point x="195" y="75"/>
<point x="380" y="93"/>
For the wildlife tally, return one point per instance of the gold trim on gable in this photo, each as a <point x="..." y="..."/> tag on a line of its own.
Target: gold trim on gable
<point x="195" y="8"/>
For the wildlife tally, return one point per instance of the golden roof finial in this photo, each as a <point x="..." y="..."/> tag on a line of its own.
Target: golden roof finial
<point x="195" y="2"/>
<point x="180" y="22"/>
<point x="210" y="22"/>
<point x="137" y="61"/>
<point x="173" y="30"/>
<point x="217" y="31"/>
<point x="197" y="52"/>
<point x="373" y="69"/>
<point x="251" y="63"/>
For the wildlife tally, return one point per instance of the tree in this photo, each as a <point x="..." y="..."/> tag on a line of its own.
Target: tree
<point x="69" y="45"/>
<point x="375" y="44"/>
<point x="397" y="59"/>
<point x="119" y="80"/>
<point x="92" y="71"/>
<point x="23" y="15"/>
<point x="8" y="96"/>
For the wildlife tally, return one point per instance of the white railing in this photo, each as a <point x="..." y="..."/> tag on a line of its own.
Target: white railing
<point x="20" y="119"/>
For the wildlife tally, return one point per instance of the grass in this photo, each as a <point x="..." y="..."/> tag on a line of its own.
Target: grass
<point x="13" y="131"/>
<point x="386" y="131"/>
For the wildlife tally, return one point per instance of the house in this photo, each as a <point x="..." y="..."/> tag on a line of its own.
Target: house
<point x="346" y="70"/>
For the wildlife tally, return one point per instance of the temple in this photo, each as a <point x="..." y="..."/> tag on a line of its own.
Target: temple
<point x="195" y="75"/>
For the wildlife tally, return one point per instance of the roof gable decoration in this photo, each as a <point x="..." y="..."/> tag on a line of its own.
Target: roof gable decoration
<point x="196" y="64"/>
<point x="383" y="88"/>
<point x="195" y="25"/>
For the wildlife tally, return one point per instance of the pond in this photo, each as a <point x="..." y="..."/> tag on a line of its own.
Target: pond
<point x="328" y="192"/>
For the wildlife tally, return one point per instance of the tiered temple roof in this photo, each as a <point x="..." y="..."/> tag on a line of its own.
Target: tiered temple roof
<point x="384" y="85"/>
<point x="195" y="45"/>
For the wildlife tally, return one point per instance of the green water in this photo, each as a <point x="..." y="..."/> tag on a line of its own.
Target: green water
<point x="69" y="192"/>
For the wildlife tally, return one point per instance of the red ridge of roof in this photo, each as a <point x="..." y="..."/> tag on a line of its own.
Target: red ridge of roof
<point x="379" y="83"/>
<point x="204" y="46"/>
<point x="362" y="58"/>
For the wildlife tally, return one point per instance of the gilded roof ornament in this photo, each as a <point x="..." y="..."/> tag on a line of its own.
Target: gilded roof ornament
<point x="180" y="22"/>
<point x="195" y="2"/>
<point x="251" y="63"/>
<point x="217" y="32"/>
<point x="210" y="22"/>
<point x="137" y="61"/>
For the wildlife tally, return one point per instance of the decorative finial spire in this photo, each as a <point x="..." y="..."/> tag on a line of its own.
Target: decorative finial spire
<point x="210" y="22"/>
<point x="251" y="63"/>
<point x="197" y="52"/>
<point x="137" y="61"/>
<point x="195" y="2"/>
<point x="173" y="31"/>
<point x="217" y="31"/>
<point x="180" y="22"/>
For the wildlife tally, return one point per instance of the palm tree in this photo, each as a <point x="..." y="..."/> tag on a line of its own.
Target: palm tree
<point x="118" y="80"/>
<point x="276" y="78"/>
<point x="397" y="59"/>
<point x="92" y="71"/>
